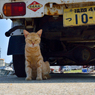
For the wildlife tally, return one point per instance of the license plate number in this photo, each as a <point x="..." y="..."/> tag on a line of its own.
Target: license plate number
<point x="79" y="16"/>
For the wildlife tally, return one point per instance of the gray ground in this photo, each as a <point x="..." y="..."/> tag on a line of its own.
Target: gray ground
<point x="59" y="84"/>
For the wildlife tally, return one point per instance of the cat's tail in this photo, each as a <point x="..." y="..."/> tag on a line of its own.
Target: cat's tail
<point x="48" y="65"/>
<point x="48" y="76"/>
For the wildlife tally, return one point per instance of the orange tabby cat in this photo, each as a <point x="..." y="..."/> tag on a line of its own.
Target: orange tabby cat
<point x="35" y="67"/>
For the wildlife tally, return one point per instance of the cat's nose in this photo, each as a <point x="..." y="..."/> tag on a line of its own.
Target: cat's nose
<point x="33" y="44"/>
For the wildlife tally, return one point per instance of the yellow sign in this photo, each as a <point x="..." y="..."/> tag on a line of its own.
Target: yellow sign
<point x="79" y="16"/>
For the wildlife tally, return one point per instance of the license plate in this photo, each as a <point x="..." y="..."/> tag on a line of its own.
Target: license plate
<point x="79" y="16"/>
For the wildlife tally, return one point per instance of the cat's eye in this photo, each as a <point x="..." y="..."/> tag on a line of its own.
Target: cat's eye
<point x="36" y="40"/>
<point x="30" y="40"/>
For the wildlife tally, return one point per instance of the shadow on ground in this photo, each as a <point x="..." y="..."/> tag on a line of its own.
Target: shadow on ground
<point x="55" y="78"/>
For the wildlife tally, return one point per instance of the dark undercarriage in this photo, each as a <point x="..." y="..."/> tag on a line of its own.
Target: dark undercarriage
<point x="59" y="45"/>
<point x="66" y="45"/>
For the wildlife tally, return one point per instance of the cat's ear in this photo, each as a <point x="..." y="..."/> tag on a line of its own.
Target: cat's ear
<point x="40" y="32"/>
<point x="25" y="33"/>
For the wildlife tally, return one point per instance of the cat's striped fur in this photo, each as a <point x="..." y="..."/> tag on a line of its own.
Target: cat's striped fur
<point x="35" y="67"/>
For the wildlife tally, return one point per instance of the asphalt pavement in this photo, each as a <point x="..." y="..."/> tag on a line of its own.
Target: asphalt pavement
<point x="59" y="84"/>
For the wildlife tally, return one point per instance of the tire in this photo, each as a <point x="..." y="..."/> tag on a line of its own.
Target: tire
<point x="19" y="65"/>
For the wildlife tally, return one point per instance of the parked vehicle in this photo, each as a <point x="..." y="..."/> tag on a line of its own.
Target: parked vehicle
<point x="68" y="30"/>
<point x="5" y="70"/>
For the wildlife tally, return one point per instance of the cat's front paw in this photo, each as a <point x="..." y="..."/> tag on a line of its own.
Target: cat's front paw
<point x="44" y="78"/>
<point x="38" y="78"/>
<point x="28" y="78"/>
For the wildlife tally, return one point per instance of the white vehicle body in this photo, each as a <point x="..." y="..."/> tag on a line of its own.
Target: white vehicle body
<point x="48" y="7"/>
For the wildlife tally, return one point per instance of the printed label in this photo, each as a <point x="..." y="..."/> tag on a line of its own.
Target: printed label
<point x="34" y="6"/>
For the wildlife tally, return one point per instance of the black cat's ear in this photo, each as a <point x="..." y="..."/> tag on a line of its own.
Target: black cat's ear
<point x="40" y="32"/>
<point x="25" y="33"/>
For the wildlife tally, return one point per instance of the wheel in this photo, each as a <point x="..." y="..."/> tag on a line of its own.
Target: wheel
<point x="19" y="65"/>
